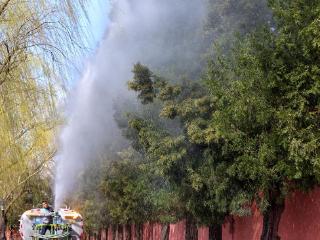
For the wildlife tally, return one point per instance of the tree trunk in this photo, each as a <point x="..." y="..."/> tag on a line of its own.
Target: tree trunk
<point x="139" y="231"/>
<point x="215" y="232"/>
<point x="165" y="232"/>
<point x="120" y="232"/>
<point x="127" y="230"/>
<point x="114" y="232"/>
<point x="149" y="231"/>
<point x="191" y="230"/>
<point x="271" y="218"/>
<point x="3" y="225"/>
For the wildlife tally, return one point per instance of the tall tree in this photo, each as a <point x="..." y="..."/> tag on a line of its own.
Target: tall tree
<point x="268" y="96"/>
<point x="36" y="38"/>
<point x="183" y="158"/>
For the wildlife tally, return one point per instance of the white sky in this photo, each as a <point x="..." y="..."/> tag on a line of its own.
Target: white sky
<point x="98" y="14"/>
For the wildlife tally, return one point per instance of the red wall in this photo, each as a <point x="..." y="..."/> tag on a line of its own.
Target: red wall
<point x="177" y="231"/>
<point x="157" y="231"/>
<point x="299" y="221"/>
<point x="248" y="228"/>
<point x="301" y="218"/>
<point x="104" y="234"/>
<point x="153" y="232"/>
<point x="109" y="233"/>
<point x="203" y="233"/>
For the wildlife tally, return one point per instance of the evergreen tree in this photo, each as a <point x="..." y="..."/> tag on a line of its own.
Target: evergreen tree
<point x="268" y="96"/>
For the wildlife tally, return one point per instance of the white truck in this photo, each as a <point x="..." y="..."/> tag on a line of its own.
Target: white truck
<point x="39" y="223"/>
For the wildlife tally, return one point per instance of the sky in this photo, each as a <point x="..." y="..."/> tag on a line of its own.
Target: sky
<point x="98" y="14"/>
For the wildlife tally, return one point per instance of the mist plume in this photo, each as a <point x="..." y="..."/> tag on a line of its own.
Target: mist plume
<point x="140" y="30"/>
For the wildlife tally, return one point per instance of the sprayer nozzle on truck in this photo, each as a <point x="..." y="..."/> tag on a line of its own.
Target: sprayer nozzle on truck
<point x="39" y="223"/>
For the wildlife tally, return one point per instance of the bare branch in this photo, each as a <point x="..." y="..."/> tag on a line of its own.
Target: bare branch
<point x="4" y="6"/>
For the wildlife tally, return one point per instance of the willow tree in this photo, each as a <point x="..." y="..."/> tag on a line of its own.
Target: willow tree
<point x="36" y="41"/>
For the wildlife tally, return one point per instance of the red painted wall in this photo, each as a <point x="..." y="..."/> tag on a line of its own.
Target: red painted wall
<point x="177" y="231"/>
<point x="147" y="231"/>
<point x="104" y="234"/>
<point x="248" y="228"/>
<point x="203" y="233"/>
<point x="109" y="233"/>
<point x="151" y="231"/>
<point x="156" y="234"/>
<point x="299" y="221"/>
<point x="301" y="218"/>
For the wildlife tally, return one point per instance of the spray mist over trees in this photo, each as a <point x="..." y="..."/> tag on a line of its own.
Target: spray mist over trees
<point x="139" y="31"/>
<point x="202" y="140"/>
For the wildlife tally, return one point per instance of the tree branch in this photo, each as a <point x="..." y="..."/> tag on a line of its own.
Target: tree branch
<point x="4" y="6"/>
